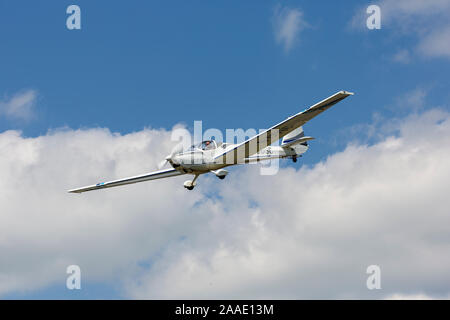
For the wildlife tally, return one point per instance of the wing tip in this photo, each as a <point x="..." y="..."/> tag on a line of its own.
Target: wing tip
<point x="348" y="93"/>
<point x="74" y="191"/>
<point x="99" y="185"/>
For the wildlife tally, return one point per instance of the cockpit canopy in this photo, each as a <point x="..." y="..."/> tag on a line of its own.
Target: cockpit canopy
<point x="204" y="145"/>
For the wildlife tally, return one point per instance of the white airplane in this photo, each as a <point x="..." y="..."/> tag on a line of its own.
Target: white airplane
<point x="210" y="156"/>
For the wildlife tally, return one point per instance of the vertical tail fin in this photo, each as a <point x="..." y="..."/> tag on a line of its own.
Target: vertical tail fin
<point x="295" y="137"/>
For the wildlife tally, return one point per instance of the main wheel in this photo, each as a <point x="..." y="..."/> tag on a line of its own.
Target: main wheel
<point x="294" y="159"/>
<point x="190" y="188"/>
<point x="222" y="177"/>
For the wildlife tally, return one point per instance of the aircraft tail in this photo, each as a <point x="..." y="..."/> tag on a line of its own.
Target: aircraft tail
<point x="295" y="137"/>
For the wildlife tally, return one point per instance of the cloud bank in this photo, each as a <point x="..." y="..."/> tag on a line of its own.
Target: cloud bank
<point x="309" y="232"/>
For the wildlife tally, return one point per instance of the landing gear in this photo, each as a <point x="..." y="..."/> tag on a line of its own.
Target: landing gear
<point x="221" y="174"/>
<point x="294" y="159"/>
<point x="190" y="184"/>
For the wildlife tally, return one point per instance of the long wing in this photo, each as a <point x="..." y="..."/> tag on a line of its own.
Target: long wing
<point x="149" y="176"/>
<point x="253" y="145"/>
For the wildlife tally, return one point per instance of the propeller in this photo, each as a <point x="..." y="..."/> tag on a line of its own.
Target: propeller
<point x="178" y="148"/>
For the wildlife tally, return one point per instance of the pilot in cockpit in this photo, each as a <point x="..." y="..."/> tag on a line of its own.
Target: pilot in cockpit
<point x="207" y="145"/>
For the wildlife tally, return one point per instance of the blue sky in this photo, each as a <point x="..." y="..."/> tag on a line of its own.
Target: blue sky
<point x="155" y="64"/>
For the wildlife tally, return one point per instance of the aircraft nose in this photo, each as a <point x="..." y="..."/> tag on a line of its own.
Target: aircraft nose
<point x="173" y="159"/>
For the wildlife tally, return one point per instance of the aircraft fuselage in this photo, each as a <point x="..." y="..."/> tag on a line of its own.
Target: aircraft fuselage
<point x="202" y="161"/>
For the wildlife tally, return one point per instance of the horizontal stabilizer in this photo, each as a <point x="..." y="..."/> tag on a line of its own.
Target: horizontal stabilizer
<point x="288" y="143"/>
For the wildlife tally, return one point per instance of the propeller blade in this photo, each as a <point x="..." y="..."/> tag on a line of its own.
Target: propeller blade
<point x="162" y="164"/>
<point x="177" y="149"/>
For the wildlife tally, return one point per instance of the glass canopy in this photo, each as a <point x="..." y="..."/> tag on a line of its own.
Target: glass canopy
<point x="204" y="145"/>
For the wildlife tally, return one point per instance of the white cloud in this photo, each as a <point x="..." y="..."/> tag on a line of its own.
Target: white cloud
<point x="399" y="296"/>
<point x="287" y="25"/>
<point x="306" y="233"/>
<point x="426" y="20"/>
<point x="20" y="106"/>
<point x="43" y="229"/>
<point x="411" y="12"/>
<point x="436" y="43"/>
<point x="413" y="100"/>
